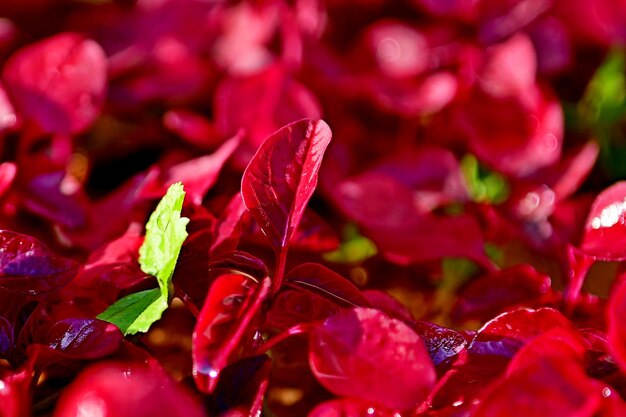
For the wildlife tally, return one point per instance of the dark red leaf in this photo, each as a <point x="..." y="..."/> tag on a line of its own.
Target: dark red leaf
<point x="29" y="267"/>
<point x="292" y="307"/>
<point x="492" y="294"/>
<point x="605" y="229"/>
<point x="231" y="305"/>
<point x="242" y="387"/>
<point x="322" y="281"/>
<point x="281" y="178"/>
<point x="399" y="230"/>
<point x="238" y="261"/>
<point x="389" y="305"/>
<point x="314" y="234"/>
<point x="59" y="82"/>
<point x="365" y="354"/>
<point x="229" y="226"/>
<point x="6" y="337"/>
<point x="113" y="389"/>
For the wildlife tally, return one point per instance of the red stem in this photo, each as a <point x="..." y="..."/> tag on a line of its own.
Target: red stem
<point x="281" y="261"/>
<point x="292" y="331"/>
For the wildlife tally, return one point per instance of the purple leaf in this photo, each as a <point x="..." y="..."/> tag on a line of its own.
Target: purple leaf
<point x="28" y="267"/>
<point x="605" y="229"/>
<point x="505" y="334"/>
<point x="242" y="386"/>
<point x="442" y="343"/>
<point x="365" y="354"/>
<point x="322" y="281"/>
<point x="59" y="82"/>
<point x="230" y="307"/>
<point x="281" y="178"/>
<point x="84" y="338"/>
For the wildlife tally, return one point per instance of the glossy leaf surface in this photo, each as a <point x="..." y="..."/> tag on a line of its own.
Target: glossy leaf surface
<point x="322" y="281"/>
<point x="605" y="228"/>
<point x="229" y="308"/>
<point x="281" y="178"/>
<point x="29" y="267"/>
<point x="363" y="353"/>
<point x="113" y="389"/>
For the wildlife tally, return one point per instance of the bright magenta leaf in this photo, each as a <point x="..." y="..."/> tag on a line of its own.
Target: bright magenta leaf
<point x="365" y="354"/>
<point x="605" y="228"/>
<point x="112" y="389"/>
<point x="59" y="83"/>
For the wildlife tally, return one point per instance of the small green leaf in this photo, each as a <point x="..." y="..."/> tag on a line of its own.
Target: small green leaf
<point x="136" y="312"/>
<point x="484" y="186"/>
<point x="604" y="101"/>
<point x="355" y="248"/>
<point x="165" y="234"/>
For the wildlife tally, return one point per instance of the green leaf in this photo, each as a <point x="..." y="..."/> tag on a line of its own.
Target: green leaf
<point x="604" y="101"/>
<point x="484" y="186"/>
<point x="355" y="248"/>
<point x="165" y="234"/>
<point x="136" y="312"/>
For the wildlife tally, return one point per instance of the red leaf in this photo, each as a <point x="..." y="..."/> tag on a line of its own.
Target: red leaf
<point x="365" y="354"/>
<point x="322" y="281"/>
<point x="349" y="407"/>
<point x="29" y="267"/>
<point x="198" y="174"/>
<point x="59" y="82"/>
<point x="605" y="228"/>
<point x="281" y="178"/>
<point x="399" y="230"/>
<point x="549" y="386"/>
<point x="229" y="226"/>
<point x="230" y="306"/>
<point x="616" y="312"/>
<point x="132" y="389"/>
<point x="503" y="290"/>
<point x="292" y="307"/>
<point x="505" y="334"/>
